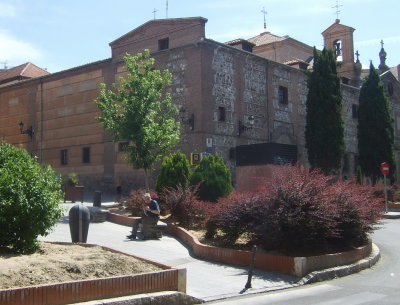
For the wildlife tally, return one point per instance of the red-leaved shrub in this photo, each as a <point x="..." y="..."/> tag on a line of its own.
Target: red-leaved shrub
<point x="183" y="204"/>
<point x="135" y="201"/>
<point x="301" y="209"/>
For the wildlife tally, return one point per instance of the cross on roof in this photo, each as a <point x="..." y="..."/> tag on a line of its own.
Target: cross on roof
<point x="337" y="8"/>
<point x="265" y="13"/>
<point x="154" y="12"/>
<point x="357" y="54"/>
<point x="382" y="43"/>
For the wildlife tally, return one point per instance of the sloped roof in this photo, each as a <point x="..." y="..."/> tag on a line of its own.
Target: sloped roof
<point x="24" y="71"/>
<point x="170" y="21"/>
<point x="395" y="72"/>
<point x="238" y="41"/>
<point x="266" y="38"/>
<point x="337" y="27"/>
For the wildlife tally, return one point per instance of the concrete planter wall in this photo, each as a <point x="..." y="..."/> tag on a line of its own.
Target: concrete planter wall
<point x="94" y="289"/>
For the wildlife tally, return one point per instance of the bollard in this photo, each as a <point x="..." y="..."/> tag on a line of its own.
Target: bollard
<point x="252" y="259"/>
<point x="79" y="219"/>
<point x="97" y="199"/>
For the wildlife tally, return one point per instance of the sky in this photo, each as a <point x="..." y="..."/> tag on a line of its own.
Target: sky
<point x="58" y="35"/>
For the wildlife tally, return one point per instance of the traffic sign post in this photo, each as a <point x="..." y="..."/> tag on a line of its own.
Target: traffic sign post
<point x="385" y="171"/>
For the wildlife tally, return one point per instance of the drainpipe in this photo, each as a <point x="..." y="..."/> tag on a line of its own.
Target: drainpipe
<point x="41" y="122"/>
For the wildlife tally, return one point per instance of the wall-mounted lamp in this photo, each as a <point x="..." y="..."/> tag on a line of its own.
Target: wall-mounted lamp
<point x="182" y="117"/>
<point x="243" y="128"/>
<point x="28" y="131"/>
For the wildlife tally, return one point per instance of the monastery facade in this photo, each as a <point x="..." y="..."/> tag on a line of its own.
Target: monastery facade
<point x="235" y="99"/>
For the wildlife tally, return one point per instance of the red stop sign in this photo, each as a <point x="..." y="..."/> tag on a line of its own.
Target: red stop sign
<point x="385" y="168"/>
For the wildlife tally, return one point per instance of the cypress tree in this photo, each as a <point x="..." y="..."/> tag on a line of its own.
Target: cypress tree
<point x="375" y="127"/>
<point x="324" y="131"/>
<point x="175" y="170"/>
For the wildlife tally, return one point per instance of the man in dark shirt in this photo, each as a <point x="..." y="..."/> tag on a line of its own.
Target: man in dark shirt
<point x="152" y="209"/>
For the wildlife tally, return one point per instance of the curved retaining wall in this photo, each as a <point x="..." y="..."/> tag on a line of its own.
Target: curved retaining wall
<point x="297" y="266"/>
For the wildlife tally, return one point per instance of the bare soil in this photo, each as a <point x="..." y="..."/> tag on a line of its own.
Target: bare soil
<point x="56" y="263"/>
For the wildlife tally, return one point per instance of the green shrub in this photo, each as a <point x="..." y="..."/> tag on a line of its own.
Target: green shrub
<point x="30" y="194"/>
<point x="214" y="176"/>
<point x="72" y="179"/>
<point x="175" y="169"/>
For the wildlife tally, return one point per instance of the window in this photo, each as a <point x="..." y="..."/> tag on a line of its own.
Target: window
<point x="247" y="47"/>
<point x="232" y="153"/>
<point x="221" y="114"/>
<point x="283" y="94"/>
<point x="346" y="166"/>
<point x="354" y="111"/>
<point x="122" y="146"/>
<point x="390" y="89"/>
<point x="337" y="47"/>
<point x="163" y="44"/>
<point x="64" y="156"/>
<point x="86" y="155"/>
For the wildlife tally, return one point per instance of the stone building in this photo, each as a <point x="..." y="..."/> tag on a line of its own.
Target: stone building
<point x="231" y="96"/>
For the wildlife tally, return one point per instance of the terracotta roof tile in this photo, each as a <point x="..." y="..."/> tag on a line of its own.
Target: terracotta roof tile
<point x="266" y="38"/>
<point x="24" y="71"/>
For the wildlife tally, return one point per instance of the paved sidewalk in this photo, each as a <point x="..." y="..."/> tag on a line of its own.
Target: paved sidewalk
<point x="205" y="280"/>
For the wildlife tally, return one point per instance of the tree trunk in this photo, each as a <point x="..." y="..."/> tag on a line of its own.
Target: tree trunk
<point x="146" y="179"/>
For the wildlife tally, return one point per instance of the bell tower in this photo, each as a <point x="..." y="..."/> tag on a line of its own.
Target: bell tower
<point x="339" y="38"/>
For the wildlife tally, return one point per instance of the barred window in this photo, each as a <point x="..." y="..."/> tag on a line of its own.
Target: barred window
<point x="86" y="155"/>
<point x="64" y="157"/>
<point x="283" y="95"/>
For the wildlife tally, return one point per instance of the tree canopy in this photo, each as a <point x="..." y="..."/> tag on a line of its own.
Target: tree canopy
<point x="139" y="111"/>
<point x="375" y="127"/>
<point x="324" y="123"/>
<point x="214" y="177"/>
<point x="175" y="170"/>
<point x="30" y="196"/>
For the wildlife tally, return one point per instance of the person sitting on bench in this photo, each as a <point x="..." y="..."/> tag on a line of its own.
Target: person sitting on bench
<point x="151" y="209"/>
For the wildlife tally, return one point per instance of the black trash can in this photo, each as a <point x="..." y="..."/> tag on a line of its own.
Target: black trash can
<point x="97" y="199"/>
<point x="79" y="219"/>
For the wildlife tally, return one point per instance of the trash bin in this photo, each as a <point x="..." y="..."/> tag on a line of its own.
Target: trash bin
<point x="97" y="199"/>
<point x="79" y="219"/>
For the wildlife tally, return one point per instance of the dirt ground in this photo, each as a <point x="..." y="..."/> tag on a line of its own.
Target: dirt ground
<point x="56" y="263"/>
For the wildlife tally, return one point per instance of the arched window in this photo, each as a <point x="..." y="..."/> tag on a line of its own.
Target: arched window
<point x="337" y="48"/>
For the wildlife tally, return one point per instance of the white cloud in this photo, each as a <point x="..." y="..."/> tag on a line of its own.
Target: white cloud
<point x="16" y="51"/>
<point x="7" y="10"/>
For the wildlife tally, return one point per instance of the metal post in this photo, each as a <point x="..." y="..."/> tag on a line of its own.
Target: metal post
<point x="385" y="190"/>
<point x="252" y="259"/>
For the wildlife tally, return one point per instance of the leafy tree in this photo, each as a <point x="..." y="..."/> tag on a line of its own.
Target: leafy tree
<point x="30" y="194"/>
<point x="175" y="169"/>
<point x="140" y="112"/>
<point x="214" y="176"/>
<point x="375" y="127"/>
<point x="324" y="124"/>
